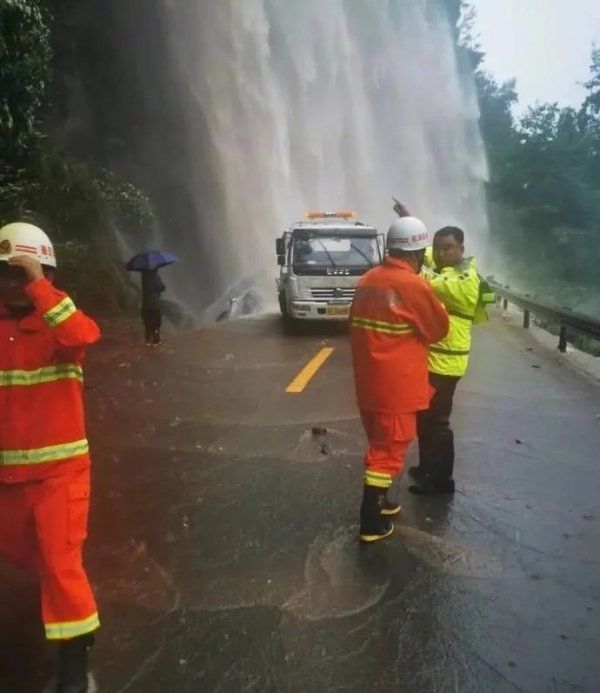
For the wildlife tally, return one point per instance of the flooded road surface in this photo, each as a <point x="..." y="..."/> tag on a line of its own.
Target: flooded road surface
<point x="223" y="532"/>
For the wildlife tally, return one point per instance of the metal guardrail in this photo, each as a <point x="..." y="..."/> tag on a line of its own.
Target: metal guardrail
<point x="569" y="320"/>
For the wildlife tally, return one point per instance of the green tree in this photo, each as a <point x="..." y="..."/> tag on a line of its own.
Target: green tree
<point x="496" y="101"/>
<point x="591" y="105"/>
<point x="77" y="203"/>
<point x="589" y="117"/>
<point x="73" y="199"/>
<point x="544" y="185"/>
<point x="25" y="56"/>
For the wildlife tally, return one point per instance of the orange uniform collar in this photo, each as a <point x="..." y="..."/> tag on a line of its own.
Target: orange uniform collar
<point x="400" y="264"/>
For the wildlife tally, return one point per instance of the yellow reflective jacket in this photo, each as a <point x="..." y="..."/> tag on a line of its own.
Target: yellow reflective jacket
<point x="464" y="293"/>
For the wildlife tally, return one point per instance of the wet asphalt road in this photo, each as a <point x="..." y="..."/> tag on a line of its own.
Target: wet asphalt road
<point x="223" y="532"/>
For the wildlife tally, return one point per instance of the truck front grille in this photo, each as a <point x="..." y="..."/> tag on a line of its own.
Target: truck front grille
<point x="328" y="294"/>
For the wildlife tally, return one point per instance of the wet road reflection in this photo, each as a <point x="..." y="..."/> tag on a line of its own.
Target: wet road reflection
<point x="223" y="533"/>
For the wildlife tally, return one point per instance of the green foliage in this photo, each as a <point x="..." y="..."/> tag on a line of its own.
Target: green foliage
<point x="79" y="205"/>
<point x="548" y="177"/>
<point x="591" y="105"/>
<point x="95" y="281"/>
<point x="70" y="198"/>
<point x="544" y="186"/>
<point x="25" y="56"/>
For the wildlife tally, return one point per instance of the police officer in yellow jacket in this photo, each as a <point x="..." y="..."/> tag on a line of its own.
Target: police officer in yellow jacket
<point x="464" y="293"/>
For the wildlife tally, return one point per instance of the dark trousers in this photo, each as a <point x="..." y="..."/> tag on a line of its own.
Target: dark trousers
<point x="436" y="440"/>
<point x="152" y="321"/>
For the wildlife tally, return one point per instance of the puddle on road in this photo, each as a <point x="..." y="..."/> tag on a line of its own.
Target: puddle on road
<point x="446" y="557"/>
<point x="338" y="583"/>
<point x="343" y="578"/>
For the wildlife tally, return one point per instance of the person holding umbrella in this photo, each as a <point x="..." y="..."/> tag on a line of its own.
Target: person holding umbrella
<point x="152" y="287"/>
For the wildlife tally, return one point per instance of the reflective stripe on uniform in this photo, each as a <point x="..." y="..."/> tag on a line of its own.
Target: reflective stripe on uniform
<point x="50" y="374"/>
<point x="450" y="352"/>
<point x="61" y="312"/>
<point x="378" y="479"/>
<point x="51" y="453"/>
<point x="380" y="326"/>
<point x="72" y="629"/>
<point x="464" y="316"/>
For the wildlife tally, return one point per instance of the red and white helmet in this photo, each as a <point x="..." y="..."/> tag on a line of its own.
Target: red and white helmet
<point x="26" y="239"/>
<point x="408" y="234"/>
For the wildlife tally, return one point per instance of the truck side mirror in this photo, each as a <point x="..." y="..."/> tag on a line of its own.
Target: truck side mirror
<point x="280" y="247"/>
<point x="281" y="260"/>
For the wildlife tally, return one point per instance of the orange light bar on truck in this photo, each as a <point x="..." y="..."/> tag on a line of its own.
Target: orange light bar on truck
<point x="342" y="214"/>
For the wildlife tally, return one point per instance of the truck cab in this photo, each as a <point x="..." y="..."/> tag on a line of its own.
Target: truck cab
<point x="321" y="260"/>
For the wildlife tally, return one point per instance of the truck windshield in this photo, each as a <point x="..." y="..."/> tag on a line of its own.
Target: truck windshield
<point x="336" y="251"/>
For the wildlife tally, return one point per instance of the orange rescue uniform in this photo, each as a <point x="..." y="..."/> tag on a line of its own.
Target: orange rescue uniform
<point x="44" y="459"/>
<point x="395" y="316"/>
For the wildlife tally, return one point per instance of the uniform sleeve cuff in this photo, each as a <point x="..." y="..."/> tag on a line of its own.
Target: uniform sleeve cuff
<point x="43" y="294"/>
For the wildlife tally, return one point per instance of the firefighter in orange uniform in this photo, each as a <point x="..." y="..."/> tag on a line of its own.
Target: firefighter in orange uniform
<point x="395" y="316"/>
<point x="44" y="460"/>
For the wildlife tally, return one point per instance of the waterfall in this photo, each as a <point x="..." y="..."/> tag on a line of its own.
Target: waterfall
<point x="279" y="106"/>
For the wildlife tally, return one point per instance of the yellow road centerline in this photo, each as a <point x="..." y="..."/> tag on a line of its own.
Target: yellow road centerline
<point x="300" y="382"/>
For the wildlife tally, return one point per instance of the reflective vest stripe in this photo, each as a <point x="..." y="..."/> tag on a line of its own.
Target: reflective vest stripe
<point x="50" y="374"/>
<point x="51" y="453"/>
<point x="72" y="629"/>
<point x="62" y="311"/>
<point x="464" y="316"/>
<point x="449" y="352"/>
<point x="378" y="479"/>
<point x="380" y="326"/>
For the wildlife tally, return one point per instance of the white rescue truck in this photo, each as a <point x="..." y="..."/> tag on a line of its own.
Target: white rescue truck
<point x="321" y="259"/>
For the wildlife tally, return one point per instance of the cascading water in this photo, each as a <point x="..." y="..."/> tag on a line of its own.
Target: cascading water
<point x="256" y="110"/>
<point x="326" y="105"/>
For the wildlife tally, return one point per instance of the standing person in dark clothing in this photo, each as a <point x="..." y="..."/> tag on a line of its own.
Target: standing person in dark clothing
<point x="152" y="288"/>
<point x="457" y="284"/>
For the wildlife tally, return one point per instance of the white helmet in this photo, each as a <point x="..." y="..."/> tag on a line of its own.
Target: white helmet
<point x="408" y="234"/>
<point x="26" y="239"/>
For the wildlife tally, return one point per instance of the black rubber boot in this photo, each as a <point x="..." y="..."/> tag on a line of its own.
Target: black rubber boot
<point x="417" y="473"/>
<point x="431" y="488"/>
<point x="373" y="526"/>
<point x="389" y="508"/>
<point x="73" y="664"/>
